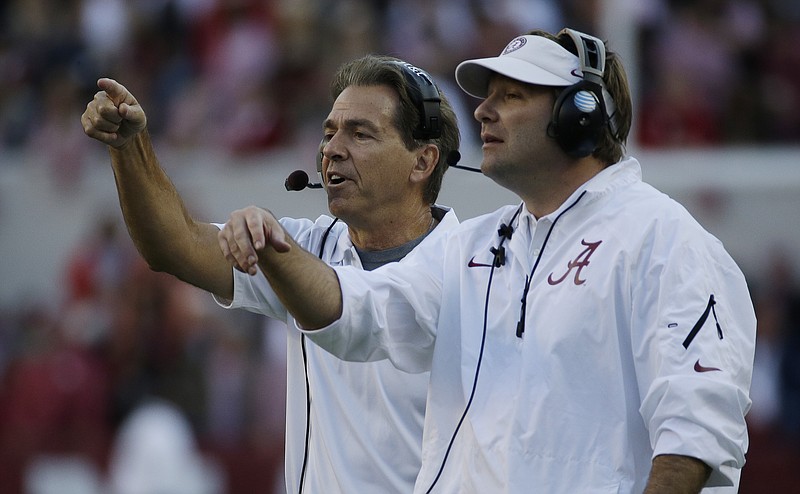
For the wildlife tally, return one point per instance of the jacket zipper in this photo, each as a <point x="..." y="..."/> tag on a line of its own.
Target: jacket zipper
<point x="700" y="322"/>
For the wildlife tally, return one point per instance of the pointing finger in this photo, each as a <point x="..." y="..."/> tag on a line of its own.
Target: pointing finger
<point x="116" y="91"/>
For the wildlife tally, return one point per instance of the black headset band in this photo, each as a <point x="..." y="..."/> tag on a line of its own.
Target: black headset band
<point x="425" y="96"/>
<point x="592" y="56"/>
<point x="584" y="110"/>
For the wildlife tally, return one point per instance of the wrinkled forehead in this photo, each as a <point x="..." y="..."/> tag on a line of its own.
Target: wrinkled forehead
<point x="364" y="105"/>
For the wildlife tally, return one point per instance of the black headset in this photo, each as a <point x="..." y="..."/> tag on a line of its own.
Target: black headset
<point x="582" y="111"/>
<point x="425" y="96"/>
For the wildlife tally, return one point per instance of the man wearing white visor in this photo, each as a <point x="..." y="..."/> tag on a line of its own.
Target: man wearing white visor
<point x="592" y="339"/>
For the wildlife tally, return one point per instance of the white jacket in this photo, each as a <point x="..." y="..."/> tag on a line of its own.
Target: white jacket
<point x="624" y="355"/>
<point x="366" y="418"/>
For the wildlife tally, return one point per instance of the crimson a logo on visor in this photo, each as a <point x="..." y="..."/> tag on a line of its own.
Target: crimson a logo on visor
<point x="514" y="45"/>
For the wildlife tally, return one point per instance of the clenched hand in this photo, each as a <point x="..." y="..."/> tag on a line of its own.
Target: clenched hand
<point x="113" y="116"/>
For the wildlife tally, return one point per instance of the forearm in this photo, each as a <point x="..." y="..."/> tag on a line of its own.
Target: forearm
<point x="159" y="224"/>
<point x="307" y="287"/>
<point x="675" y="474"/>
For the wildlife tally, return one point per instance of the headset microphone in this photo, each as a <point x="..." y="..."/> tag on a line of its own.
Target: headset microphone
<point x="298" y="180"/>
<point x="453" y="157"/>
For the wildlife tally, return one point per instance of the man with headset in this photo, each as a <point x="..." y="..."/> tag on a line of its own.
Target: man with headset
<point x="351" y="427"/>
<point x="594" y="338"/>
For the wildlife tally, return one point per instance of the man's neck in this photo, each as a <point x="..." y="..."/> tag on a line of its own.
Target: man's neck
<point x="400" y="228"/>
<point x="548" y="192"/>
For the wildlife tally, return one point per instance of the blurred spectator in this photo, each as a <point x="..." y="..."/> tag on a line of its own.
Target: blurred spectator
<point x="719" y="72"/>
<point x="248" y="75"/>
<point x="774" y="420"/>
<point x="38" y="38"/>
<point x="56" y="141"/>
<point x="100" y="264"/>
<point x="776" y="385"/>
<point x="49" y="474"/>
<point x="236" y="50"/>
<point x="779" y="85"/>
<point x="105" y="27"/>
<point x="54" y="398"/>
<point x="765" y="415"/>
<point x="691" y="64"/>
<point x="155" y="452"/>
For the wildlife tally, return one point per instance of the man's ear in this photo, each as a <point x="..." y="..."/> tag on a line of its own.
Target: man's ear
<point x="426" y="162"/>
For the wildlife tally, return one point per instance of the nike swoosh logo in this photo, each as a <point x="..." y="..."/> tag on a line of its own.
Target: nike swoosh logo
<point x="473" y="264"/>
<point x="700" y="368"/>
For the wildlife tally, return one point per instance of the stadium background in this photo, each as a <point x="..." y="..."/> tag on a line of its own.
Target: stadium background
<point x="110" y="372"/>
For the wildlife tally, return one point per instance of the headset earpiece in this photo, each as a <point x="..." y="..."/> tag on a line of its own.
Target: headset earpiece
<point x="582" y="111"/>
<point x="426" y="99"/>
<point x="578" y="120"/>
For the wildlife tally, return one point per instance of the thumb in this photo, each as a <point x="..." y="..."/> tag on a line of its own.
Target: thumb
<point x="116" y="92"/>
<point x="133" y="114"/>
<point x="278" y="240"/>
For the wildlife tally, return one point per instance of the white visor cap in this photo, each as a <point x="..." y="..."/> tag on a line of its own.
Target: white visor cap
<point x="530" y="59"/>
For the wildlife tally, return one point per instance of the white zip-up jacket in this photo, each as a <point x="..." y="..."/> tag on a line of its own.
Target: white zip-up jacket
<point x="638" y="340"/>
<point x="366" y="418"/>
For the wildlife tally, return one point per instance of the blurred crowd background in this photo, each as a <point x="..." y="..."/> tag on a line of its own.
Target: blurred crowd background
<point x="132" y="378"/>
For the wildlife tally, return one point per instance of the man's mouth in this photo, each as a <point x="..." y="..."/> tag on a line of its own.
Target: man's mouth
<point x="335" y="179"/>
<point x="488" y="139"/>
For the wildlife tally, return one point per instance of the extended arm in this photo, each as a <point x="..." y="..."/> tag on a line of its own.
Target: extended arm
<point x="308" y="288"/>
<point x="165" y="234"/>
<point x="674" y="474"/>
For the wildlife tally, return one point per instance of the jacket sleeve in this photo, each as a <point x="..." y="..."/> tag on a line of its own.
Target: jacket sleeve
<point x="693" y="337"/>
<point x="254" y="293"/>
<point x="389" y="313"/>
